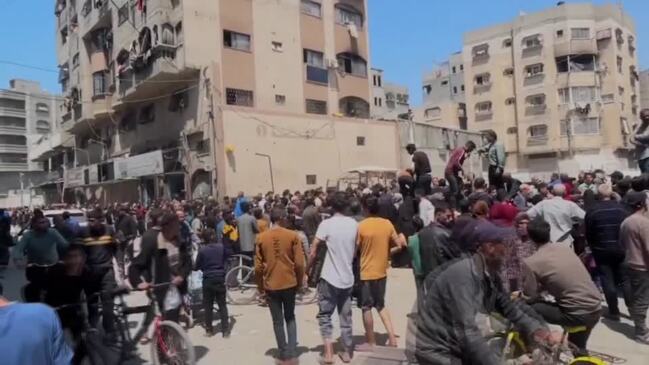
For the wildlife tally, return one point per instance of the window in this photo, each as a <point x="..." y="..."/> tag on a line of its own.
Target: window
<point x="100" y="83"/>
<point x="576" y="63"/>
<point x="608" y="98"/>
<point x="379" y="81"/>
<point x="311" y="8"/>
<point x="64" y="35"/>
<point x="580" y="126"/>
<point x="454" y="89"/>
<point x="428" y="89"/>
<point x="280" y="99"/>
<point x="316" y="106"/>
<point x="354" y="107"/>
<point x="533" y="41"/>
<point x="236" y="40"/>
<point x="507" y="43"/>
<point x="374" y="80"/>
<point x="512" y="130"/>
<point x="580" y="94"/>
<point x="619" y="64"/>
<point x="509" y="71"/>
<point x="483" y="79"/>
<point x="461" y="67"/>
<point x="238" y="97"/>
<point x="277" y="46"/>
<point x="510" y="101"/>
<point x="462" y="87"/>
<point x="444" y="82"/>
<point x="178" y="101"/>
<point x="433" y="112"/>
<point x="75" y="61"/>
<point x="352" y="64"/>
<point x="42" y="127"/>
<point x="311" y="179"/>
<point x="620" y="90"/>
<point x="360" y="141"/>
<point x="147" y="114"/>
<point x="315" y="68"/>
<point x="536" y="100"/>
<point x="179" y="32"/>
<point x="453" y="69"/>
<point x="534" y="70"/>
<point x="560" y="33"/>
<point x="167" y="35"/>
<point x="42" y="108"/>
<point x="376" y="101"/>
<point x="564" y="95"/>
<point x="481" y="51"/>
<point x="539" y="131"/>
<point x="127" y="123"/>
<point x="348" y="15"/>
<point x="580" y="33"/>
<point x="123" y="14"/>
<point x="483" y="107"/>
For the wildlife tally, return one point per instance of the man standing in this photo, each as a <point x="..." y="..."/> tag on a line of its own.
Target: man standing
<point x="557" y="270"/>
<point x="435" y="246"/>
<point x="310" y="219"/>
<point x="496" y="158"/>
<point x="421" y="166"/>
<point x="454" y="168"/>
<point x="588" y="184"/>
<point x="375" y="236"/>
<point x="279" y="271"/>
<point x="338" y="233"/>
<point x="602" y="224"/>
<point x="247" y="227"/>
<point x="640" y="139"/>
<point x="561" y="214"/>
<point x="31" y="334"/>
<point x="634" y="235"/>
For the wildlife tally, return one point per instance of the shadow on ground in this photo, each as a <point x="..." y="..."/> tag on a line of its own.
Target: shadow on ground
<point x="626" y="329"/>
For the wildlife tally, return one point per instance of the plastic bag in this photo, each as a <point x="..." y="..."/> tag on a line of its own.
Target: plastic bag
<point x="172" y="298"/>
<point x="195" y="281"/>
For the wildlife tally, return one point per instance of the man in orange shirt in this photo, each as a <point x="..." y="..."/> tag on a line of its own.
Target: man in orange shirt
<point x="279" y="271"/>
<point x="375" y="238"/>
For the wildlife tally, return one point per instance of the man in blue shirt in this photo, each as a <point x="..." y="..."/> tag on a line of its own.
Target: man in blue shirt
<point x="31" y="334"/>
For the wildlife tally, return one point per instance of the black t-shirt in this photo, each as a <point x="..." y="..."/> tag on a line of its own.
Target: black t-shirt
<point x="422" y="165"/>
<point x="99" y="250"/>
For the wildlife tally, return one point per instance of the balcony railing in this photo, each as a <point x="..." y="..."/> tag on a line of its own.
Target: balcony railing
<point x="12" y="112"/>
<point x="537" y="141"/>
<point x="9" y="129"/>
<point x="12" y="148"/>
<point x="13" y="166"/>
<point x="535" y="109"/>
<point x="317" y="74"/>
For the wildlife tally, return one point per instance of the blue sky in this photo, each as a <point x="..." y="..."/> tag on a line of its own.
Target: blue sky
<point x="407" y="36"/>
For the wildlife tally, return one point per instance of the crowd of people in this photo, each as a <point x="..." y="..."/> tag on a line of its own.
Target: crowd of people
<point x="535" y="252"/>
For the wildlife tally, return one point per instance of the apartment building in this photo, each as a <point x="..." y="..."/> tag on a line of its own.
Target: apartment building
<point x="644" y="89"/>
<point x="558" y="86"/>
<point x="444" y="95"/>
<point x="390" y="101"/>
<point x="194" y="98"/>
<point x="27" y="113"/>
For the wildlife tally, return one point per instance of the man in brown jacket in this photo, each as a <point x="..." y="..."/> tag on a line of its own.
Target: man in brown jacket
<point x="279" y="271"/>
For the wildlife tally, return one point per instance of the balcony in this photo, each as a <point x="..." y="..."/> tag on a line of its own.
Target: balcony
<point x="97" y="17"/>
<point x="12" y="148"/>
<point x="48" y="146"/>
<point x="535" y="109"/>
<point x="481" y="116"/>
<point x="13" y="130"/>
<point x="63" y="18"/>
<point x="12" y="112"/>
<point x="13" y="95"/>
<point x="13" y="166"/>
<point x="575" y="47"/>
<point x="481" y="88"/>
<point x="537" y="141"/>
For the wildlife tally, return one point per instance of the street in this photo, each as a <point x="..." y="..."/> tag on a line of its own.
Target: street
<point x="253" y="341"/>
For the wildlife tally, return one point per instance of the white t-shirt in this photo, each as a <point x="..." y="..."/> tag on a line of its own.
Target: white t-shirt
<point x="339" y="233"/>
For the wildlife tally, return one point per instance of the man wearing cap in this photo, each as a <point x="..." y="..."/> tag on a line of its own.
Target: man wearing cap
<point x="634" y="236"/>
<point x="557" y="270"/>
<point x="458" y="299"/>
<point x="421" y="166"/>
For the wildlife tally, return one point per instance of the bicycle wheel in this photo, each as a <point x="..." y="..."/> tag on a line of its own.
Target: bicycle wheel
<point x="171" y="346"/>
<point x="241" y="286"/>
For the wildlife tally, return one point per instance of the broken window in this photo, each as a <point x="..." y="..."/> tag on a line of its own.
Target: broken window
<point x="533" y="70"/>
<point x="354" y="107"/>
<point x="433" y="112"/>
<point x="352" y="64"/>
<point x="481" y="51"/>
<point x="236" y="40"/>
<point x="576" y="63"/>
<point x="483" y="79"/>
<point x="507" y="43"/>
<point x="347" y="15"/>
<point x="178" y="101"/>
<point x="238" y="97"/>
<point x="316" y="106"/>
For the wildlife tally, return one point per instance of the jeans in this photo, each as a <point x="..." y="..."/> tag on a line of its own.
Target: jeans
<point x="552" y="313"/>
<point x="454" y="189"/>
<point x="101" y="280"/>
<point x="331" y="298"/>
<point x="611" y="265"/>
<point x="639" y="282"/>
<point x="644" y="165"/>
<point x="282" y="309"/>
<point x="495" y="178"/>
<point x="423" y="183"/>
<point x="214" y="290"/>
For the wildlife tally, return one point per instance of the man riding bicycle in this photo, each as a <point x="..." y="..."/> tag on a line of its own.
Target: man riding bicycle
<point x="457" y="301"/>
<point x="43" y="247"/>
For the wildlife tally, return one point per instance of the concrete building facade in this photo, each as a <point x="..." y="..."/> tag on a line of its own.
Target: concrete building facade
<point x="644" y="89"/>
<point x="158" y="108"/>
<point x="558" y="86"/>
<point x="389" y="100"/>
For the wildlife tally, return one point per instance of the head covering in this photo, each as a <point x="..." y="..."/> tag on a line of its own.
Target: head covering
<point x="635" y="199"/>
<point x="489" y="232"/>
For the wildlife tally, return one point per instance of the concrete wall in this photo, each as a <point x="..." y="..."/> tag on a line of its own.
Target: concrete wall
<point x="300" y="145"/>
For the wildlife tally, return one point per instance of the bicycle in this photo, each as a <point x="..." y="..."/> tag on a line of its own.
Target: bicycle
<point x="242" y="287"/>
<point x="511" y="346"/>
<point x="170" y="344"/>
